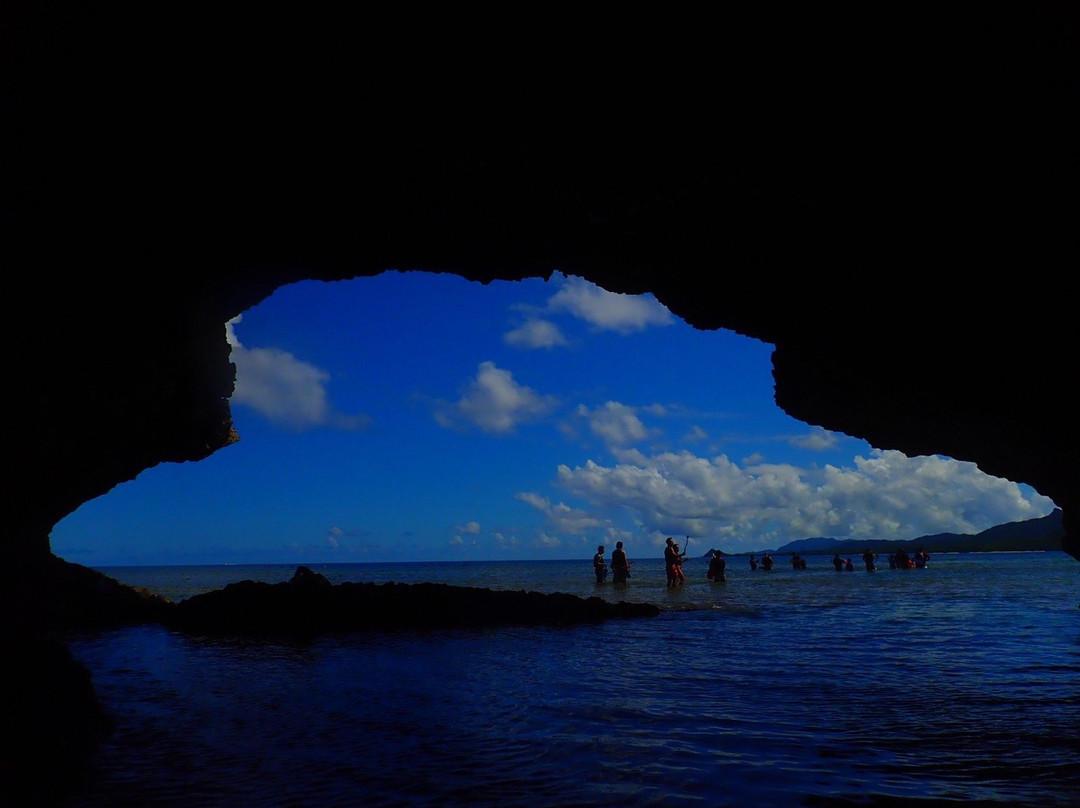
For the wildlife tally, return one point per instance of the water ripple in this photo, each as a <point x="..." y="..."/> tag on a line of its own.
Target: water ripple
<point x="825" y="689"/>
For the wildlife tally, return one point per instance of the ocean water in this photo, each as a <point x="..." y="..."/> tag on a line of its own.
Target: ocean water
<point x="958" y="684"/>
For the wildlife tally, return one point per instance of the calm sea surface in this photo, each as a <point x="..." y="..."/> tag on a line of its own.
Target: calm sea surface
<point x="899" y="688"/>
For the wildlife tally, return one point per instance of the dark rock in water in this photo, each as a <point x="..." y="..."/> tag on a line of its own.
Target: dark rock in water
<point x="51" y="718"/>
<point x="57" y="595"/>
<point x="309" y="604"/>
<point x="304" y="576"/>
<point x="71" y="597"/>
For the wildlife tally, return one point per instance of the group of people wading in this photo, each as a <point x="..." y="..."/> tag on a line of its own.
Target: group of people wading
<point x="673" y="559"/>
<point x="620" y="566"/>
<point x="674" y="555"/>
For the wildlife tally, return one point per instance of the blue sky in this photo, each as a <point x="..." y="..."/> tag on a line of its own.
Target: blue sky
<point x="415" y="416"/>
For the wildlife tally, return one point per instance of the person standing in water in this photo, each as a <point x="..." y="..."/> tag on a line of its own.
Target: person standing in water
<point x="868" y="559"/>
<point x="717" y="567"/>
<point x="620" y="567"/>
<point x="600" y="565"/>
<point x="676" y="567"/>
<point x="670" y="560"/>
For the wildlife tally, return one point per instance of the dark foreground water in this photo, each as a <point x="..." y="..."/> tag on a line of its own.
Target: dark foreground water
<point x="960" y="682"/>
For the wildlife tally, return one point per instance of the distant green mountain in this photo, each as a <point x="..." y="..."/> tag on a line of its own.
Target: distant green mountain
<point x="1044" y="533"/>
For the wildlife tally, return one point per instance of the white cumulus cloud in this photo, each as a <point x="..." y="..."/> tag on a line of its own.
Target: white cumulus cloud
<point x="282" y="388"/>
<point x="615" y="423"/>
<point x="887" y="495"/>
<point x="561" y="517"/>
<point x="817" y="439"/>
<point x="536" y="333"/>
<point x="494" y="402"/>
<point x="609" y="311"/>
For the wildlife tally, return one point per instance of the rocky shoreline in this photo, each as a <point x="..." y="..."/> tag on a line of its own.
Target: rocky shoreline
<point x="309" y="604"/>
<point x="40" y="762"/>
<point x="76" y="598"/>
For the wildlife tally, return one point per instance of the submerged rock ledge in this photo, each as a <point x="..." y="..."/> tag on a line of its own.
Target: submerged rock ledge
<point x="72" y="597"/>
<point x="310" y="604"/>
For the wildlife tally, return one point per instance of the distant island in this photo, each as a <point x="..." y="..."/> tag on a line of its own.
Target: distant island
<point x="1044" y="533"/>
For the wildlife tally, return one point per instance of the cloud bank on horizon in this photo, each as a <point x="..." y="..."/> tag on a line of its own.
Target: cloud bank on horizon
<point x="422" y="417"/>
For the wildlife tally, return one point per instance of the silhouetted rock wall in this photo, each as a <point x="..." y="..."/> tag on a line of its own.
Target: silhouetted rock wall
<point x="886" y="193"/>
